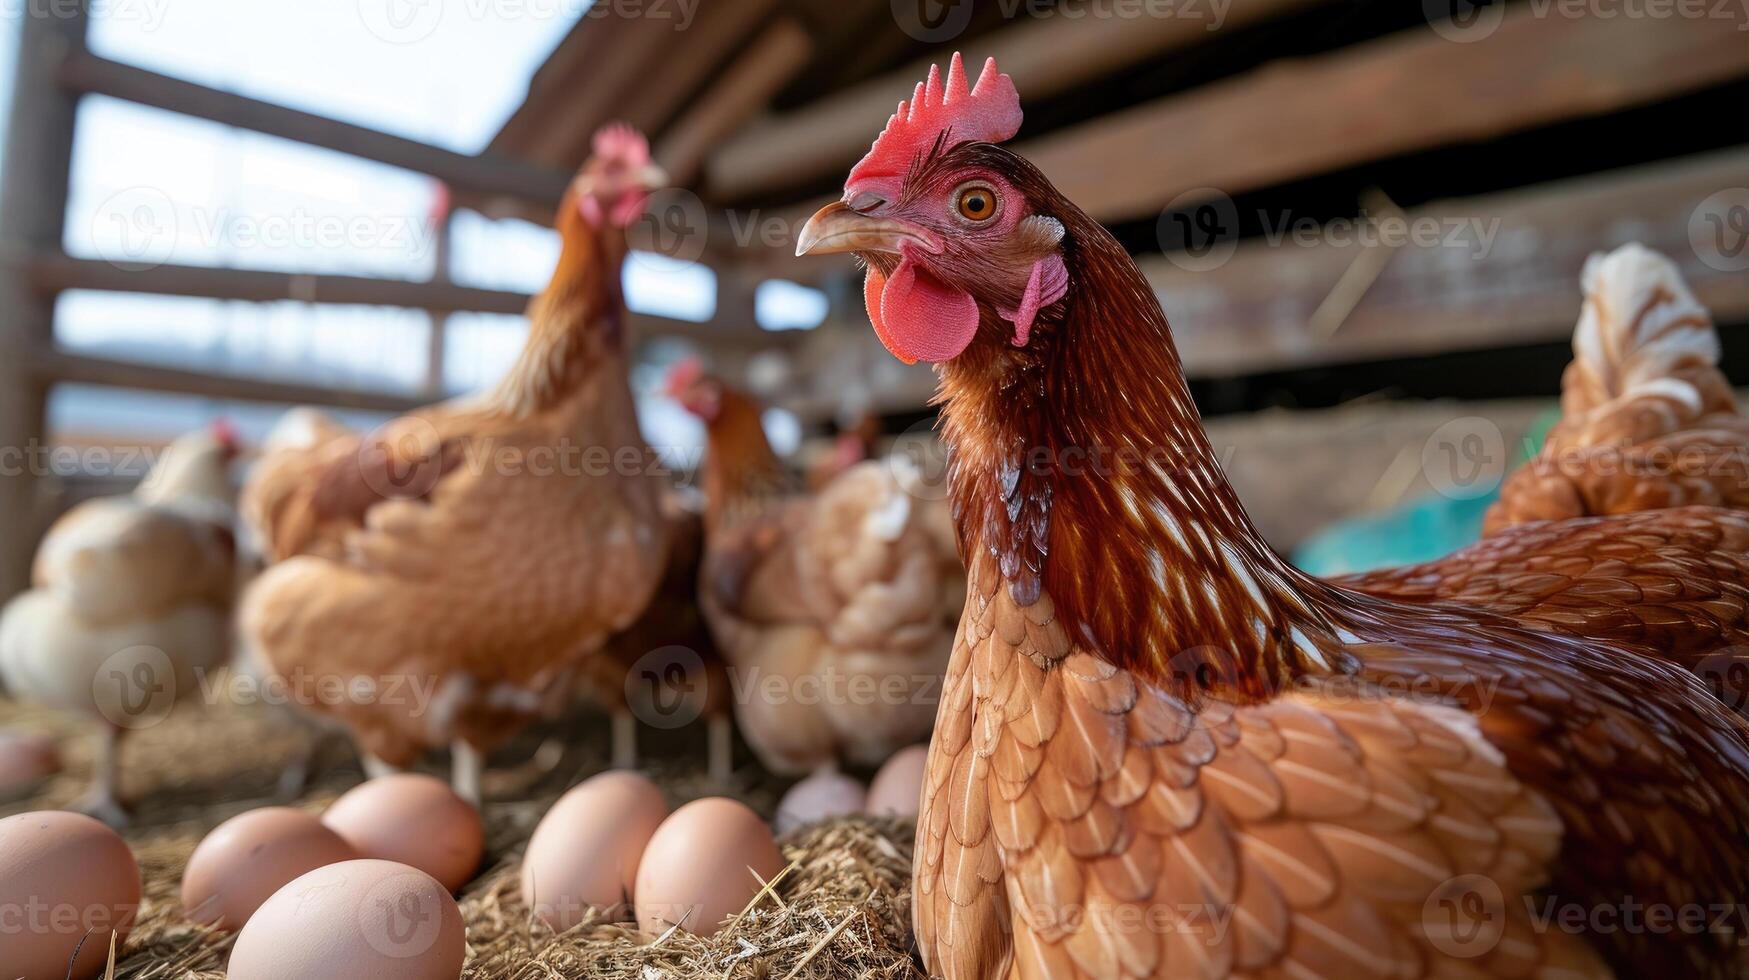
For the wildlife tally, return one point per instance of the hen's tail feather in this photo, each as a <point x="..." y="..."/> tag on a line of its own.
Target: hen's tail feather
<point x="1648" y="420"/>
<point x="1642" y="334"/>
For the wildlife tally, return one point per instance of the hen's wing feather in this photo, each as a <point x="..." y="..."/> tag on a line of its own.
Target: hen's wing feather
<point x="1673" y="582"/>
<point x="1352" y="827"/>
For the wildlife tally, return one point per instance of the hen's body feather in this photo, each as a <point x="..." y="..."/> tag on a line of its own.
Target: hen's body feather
<point x="452" y="570"/>
<point x="834" y="611"/>
<point x="1164" y="752"/>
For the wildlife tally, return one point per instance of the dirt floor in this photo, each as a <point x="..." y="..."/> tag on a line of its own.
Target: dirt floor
<point x="842" y="910"/>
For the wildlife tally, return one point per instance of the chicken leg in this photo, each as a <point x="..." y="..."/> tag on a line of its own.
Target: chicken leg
<point x="625" y="740"/>
<point x="720" y="733"/>
<point x="102" y="801"/>
<point x="467" y="764"/>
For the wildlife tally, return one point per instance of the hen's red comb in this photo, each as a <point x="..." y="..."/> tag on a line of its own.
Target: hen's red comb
<point x="683" y="375"/>
<point x="988" y="113"/>
<point x="618" y="141"/>
<point x="226" y="435"/>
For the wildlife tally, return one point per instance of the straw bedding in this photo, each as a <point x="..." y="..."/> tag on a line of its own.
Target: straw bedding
<point x="840" y="911"/>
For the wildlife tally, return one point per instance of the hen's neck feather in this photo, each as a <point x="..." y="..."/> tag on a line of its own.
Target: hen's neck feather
<point x="1080" y="465"/>
<point x="742" y="474"/>
<point x="575" y="325"/>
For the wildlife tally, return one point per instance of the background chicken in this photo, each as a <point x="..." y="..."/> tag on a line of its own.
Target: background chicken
<point x="1162" y="750"/>
<point x="132" y="600"/>
<point x="453" y="568"/>
<point x="1648" y="420"/>
<point x="665" y="669"/>
<point x="835" y="611"/>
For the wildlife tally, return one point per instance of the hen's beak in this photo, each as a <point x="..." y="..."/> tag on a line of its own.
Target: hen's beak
<point x="836" y="228"/>
<point x="653" y="177"/>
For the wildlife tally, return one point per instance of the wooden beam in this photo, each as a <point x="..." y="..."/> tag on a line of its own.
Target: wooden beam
<point x="1498" y="271"/>
<point x="33" y="214"/>
<point x="720" y="31"/>
<point x="1047" y="56"/>
<point x="53" y="273"/>
<point x="562" y="129"/>
<point x="83" y="72"/>
<point x="1407" y="92"/>
<point x="748" y="85"/>
<point x="57" y="366"/>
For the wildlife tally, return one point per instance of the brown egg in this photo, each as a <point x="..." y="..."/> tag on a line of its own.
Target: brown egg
<point x="26" y="759"/>
<point x="586" y="850"/>
<point x="898" y="788"/>
<point x="695" y="869"/>
<point x="356" y="920"/>
<point x="64" y="878"/>
<point x="822" y="796"/>
<point x="244" y="860"/>
<point x="413" y="819"/>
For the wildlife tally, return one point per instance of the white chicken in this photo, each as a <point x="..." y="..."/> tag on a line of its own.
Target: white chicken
<point x="131" y="602"/>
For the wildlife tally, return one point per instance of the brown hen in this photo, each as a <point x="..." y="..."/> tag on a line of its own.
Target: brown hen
<point x="1165" y="752"/>
<point x="1648" y="420"/>
<point x="834" y="611"/>
<point x="443" y="577"/>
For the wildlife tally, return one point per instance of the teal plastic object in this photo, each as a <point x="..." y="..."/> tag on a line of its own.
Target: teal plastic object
<point x="1414" y="531"/>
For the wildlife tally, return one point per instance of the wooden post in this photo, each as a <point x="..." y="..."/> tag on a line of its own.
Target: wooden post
<point x="33" y="209"/>
<point x="442" y="227"/>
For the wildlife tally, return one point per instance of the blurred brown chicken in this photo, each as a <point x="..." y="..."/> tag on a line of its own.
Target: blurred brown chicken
<point x="835" y="611"/>
<point x="451" y="571"/>
<point x="665" y="670"/>
<point x="1647" y="419"/>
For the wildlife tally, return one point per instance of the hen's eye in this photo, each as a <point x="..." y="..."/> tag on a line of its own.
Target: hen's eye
<point x="976" y="202"/>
